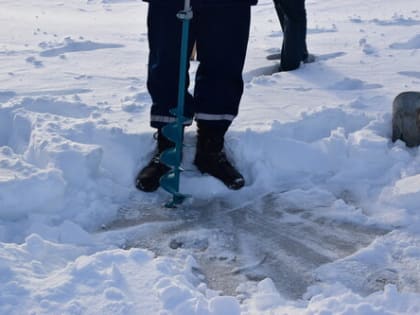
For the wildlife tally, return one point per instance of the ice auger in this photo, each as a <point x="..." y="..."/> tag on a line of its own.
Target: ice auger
<point x="174" y="131"/>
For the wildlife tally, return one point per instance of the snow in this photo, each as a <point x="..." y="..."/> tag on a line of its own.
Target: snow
<point x="74" y="130"/>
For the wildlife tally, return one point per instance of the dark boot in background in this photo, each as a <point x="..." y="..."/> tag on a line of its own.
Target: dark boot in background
<point x="148" y="178"/>
<point x="210" y="158"/>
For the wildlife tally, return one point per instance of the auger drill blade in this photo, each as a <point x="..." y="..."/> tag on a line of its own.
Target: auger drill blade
<point x="170" y="157"/>
<point x="171" y="131"/>
<point x="174" y="131"/>
<point x="170" y="182"/>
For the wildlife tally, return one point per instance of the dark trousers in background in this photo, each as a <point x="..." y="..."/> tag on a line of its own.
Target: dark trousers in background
<point x="292" y="16"/>
<point x="221" y="35"/>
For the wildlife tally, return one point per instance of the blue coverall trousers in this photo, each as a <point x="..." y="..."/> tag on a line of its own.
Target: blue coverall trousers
<point x="221" y="35"/>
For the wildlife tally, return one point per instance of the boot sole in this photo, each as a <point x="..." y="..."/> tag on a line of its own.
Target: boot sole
<point x="146" y="188"/>
<point x="239" y="183"/>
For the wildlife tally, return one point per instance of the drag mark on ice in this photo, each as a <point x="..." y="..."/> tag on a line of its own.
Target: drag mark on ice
<point x="271" y="237"/>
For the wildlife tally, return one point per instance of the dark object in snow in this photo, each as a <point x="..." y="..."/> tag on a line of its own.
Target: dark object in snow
<point x="275" y="56"/>
<point x="406" y="118"/>
<point x="148" y="178"/>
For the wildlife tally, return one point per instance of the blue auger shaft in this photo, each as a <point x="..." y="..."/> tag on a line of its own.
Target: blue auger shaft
<point x="185" y="16"/>
<point x="174" y="131"/>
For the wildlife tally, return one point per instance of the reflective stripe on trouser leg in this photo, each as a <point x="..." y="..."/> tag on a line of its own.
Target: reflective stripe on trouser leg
<point x="160" y="119"/>
<point x="216" y="117"/>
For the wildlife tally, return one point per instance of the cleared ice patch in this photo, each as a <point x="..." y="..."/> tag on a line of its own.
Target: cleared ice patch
<point x="283" y="236"/>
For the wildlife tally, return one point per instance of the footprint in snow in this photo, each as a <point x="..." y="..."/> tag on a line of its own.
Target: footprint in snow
<point x="36" y="63"/>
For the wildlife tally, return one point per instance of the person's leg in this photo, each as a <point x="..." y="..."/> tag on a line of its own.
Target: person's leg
<point x="164" y="33"/>
<point x="280" y="13"/>
<point x="294" y="33"/>
<point x="221" y="46"/>
<point x="219" y="86"/>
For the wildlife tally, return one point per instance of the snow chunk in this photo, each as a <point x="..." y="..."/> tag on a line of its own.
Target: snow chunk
<point x="404" y="193"/>
<point x="224" y="305"/>
<point x="42" y="189"/>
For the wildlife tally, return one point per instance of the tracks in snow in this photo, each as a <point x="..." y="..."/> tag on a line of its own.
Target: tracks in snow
<point x="266" y="238"/>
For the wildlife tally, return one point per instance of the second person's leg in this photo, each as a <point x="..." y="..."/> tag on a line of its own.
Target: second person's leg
<point x="294" y="33"/>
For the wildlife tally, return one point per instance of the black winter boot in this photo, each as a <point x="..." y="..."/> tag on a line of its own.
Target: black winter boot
<point x="210" y="158"/>
<point x="148" y="178"/>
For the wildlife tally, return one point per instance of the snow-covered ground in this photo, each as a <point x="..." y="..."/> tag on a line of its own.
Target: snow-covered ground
<point x="313" y="144"/>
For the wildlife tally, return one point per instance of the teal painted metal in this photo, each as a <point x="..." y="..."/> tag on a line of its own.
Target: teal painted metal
<point x="174" y="131"/>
